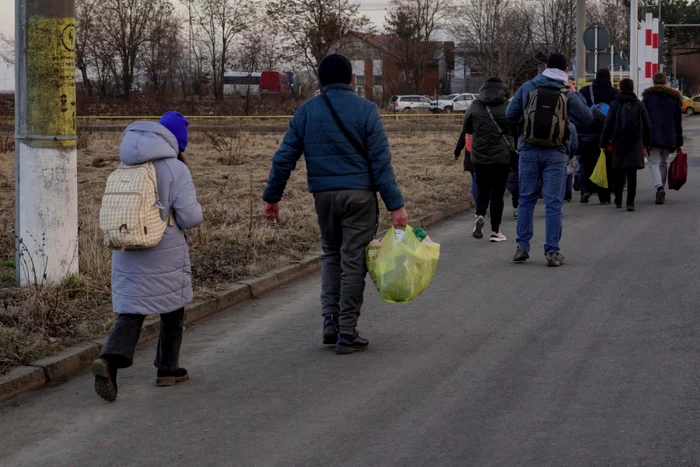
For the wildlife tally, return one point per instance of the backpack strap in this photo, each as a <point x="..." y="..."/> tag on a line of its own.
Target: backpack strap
<point x="349" y="136"/>
<point x="499" y="129"/>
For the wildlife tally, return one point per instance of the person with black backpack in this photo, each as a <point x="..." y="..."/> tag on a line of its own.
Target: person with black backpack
<point x="628" y="130"/>
<point x="543" y="107"/>
<point x="599" y="96"/>
<point x="348" y="160"/>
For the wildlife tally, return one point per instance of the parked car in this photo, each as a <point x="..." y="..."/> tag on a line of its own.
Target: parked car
<point x="408" y="103"/>
<point x="691" y="105"/>
<point x="453" y="103"/>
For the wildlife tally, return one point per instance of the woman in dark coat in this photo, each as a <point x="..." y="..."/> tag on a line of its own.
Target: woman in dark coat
<point x="628" y="130"/>
<point x="492" y="146"/>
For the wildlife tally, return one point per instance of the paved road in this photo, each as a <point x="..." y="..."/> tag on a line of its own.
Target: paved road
<point x="595" y="363"/>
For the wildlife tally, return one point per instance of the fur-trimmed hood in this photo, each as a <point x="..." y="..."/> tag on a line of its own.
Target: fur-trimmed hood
<point x="664" y="89"/>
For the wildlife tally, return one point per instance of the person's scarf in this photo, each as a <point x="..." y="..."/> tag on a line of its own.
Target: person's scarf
<point x="556" y="74"/>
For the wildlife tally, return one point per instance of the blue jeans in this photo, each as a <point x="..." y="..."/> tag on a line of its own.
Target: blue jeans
<point x="475" y="188"/>
<point x="550" y="166"/>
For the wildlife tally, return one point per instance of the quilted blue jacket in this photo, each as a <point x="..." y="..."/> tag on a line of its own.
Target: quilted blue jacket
<point x="332" y="163"/>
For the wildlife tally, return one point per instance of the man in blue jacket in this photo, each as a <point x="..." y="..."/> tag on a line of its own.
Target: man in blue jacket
<point x="664" y="105"/>
<point x="545" y="162"/>
<point x="344" y="179"/>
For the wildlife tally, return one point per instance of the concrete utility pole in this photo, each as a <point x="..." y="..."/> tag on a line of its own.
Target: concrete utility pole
<point x="580" y="47"/>
<point x="46" y="177"/>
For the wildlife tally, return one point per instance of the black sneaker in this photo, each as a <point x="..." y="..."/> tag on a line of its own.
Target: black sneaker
<point x="521" y="255"/>
<point x="554" y="260"/>
<point x="171" y="378"/>
<point x="585" y="198"/>
<point x="630" y="208"/>
<point x="568" y="197"/>
<point x="660" y="196"/>
<point x="350" y="343"/>
<point x="105" y="380"/>
<point x="330" y="331"/>
<point x="605" y="202"/>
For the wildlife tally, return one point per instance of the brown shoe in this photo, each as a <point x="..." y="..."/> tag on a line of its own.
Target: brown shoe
<point x="171" y="378"/>
<point x="105" y="380"/>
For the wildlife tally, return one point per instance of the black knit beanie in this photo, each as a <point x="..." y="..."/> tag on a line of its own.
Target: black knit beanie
<point x="334" y="69"/>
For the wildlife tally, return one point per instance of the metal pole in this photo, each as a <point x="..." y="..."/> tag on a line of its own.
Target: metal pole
<point x="595" y="52"/>
<point x="634" y="41"/>
<point x="46" y="175"/>
<point x="580" y="47"/>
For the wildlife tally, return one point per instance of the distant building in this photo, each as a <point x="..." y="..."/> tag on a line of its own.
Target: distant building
<point x="376" y="71"/>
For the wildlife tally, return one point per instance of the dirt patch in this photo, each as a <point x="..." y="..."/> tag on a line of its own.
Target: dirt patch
<point x="230" y="169"/>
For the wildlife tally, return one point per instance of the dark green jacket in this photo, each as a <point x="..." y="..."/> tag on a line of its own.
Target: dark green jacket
<point x="488" y="146"/>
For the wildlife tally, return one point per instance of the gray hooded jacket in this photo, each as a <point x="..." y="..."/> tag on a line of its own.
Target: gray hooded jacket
<point x="157" y="280"/>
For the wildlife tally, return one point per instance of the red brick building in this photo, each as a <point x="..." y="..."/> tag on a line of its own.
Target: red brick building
<point x="377" y="73"/>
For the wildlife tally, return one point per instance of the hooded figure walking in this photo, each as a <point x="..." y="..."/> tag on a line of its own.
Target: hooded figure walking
<point x="628" y="130"/>
<point x="158" y="280"/>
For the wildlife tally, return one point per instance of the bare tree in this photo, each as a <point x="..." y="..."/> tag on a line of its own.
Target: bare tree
<point x="85" y="34"/>
<point x="163" y="51"/>
<point x="7" y="49"/>
<point x="220" y="21"/>
<point x="414" y="25"/>
<point x="125" y="26"/>
<point x="555" y="27"/>
<point x="497" y="36"/>
<point x="311" y="28"/>
<point x="615" y="16"/>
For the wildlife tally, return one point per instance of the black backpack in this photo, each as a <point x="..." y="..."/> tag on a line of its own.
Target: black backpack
<point x="546" y="117"/>
<point x="628" y="125"/>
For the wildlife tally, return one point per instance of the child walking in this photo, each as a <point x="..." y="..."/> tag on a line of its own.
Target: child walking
<point x="158" y="280"/>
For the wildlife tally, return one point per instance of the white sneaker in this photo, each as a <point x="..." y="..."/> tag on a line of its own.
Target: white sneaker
<point x="497" y="237"/>
<point x="478" y="231"/>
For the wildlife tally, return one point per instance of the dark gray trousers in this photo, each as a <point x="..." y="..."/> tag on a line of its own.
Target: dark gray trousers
<point x="348" y="222"/>
<point x="121" y="343"/>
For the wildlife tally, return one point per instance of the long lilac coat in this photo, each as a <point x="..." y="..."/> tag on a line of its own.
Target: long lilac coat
<point x="157" y="280"/>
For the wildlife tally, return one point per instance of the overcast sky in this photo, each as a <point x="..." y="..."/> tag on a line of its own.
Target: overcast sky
<point x="372" y="8"/>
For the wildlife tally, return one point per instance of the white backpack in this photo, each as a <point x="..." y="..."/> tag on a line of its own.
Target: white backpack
<point x="130" y="213"/>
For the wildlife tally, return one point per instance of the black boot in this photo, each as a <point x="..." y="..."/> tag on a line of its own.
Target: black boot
<point x="330" y="330"/>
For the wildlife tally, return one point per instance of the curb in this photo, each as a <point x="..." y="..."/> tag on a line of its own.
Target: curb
<point x="74" y="359"/>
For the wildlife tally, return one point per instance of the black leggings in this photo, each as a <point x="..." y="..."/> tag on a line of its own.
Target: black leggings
<point x="491" y="180"/>
<point x="618" y="184"/>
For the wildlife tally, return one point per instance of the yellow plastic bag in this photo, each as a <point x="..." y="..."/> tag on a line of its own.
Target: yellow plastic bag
<point x="402" y="267"/>
<point x="600" y="173"/>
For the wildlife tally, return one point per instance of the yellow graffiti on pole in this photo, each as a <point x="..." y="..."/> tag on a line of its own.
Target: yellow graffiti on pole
<point x="51" y="78"/>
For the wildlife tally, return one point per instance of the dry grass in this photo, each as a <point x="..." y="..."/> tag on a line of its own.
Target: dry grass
<point x="230" y="169"/>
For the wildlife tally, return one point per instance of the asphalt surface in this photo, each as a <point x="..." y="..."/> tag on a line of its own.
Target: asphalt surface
<point x="594" y="363"/>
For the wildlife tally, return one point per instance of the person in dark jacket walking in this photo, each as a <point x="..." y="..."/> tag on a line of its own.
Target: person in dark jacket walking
<point x="628" y="130"/>
<point x="344" y="182"/>
<point x="158" y="280"/>
<point x="600" y="92"/>
<point x="492" y="145"/>
<point x="664" y="105"/>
